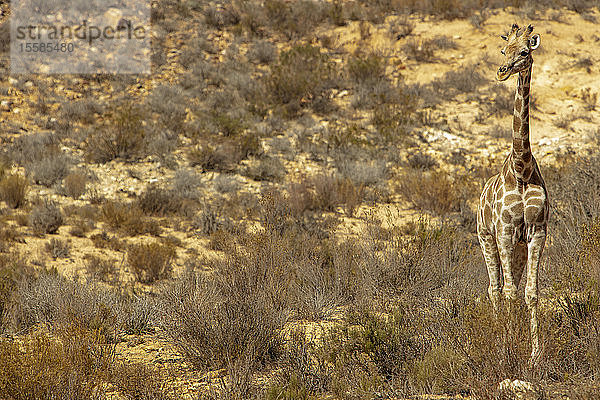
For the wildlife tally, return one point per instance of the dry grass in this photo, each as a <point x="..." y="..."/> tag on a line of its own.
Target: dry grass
<point x="75" y="184"/>
<point x="13" y="190"/>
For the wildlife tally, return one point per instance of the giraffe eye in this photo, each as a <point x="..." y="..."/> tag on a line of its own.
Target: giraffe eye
<point x="524" y="53"/>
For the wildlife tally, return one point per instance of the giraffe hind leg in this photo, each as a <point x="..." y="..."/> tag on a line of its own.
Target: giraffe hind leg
<point x="536" y="247"/>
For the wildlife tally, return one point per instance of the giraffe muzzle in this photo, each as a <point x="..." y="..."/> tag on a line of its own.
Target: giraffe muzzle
<point x="503" y="73"/>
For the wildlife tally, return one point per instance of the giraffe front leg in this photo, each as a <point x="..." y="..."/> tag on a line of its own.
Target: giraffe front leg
<point x="506" y="247"/>
<point x="492" y="262"/>
<point x="537" y="240"/>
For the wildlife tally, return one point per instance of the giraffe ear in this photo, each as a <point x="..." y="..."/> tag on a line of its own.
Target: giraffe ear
<point x="534" y="42"/>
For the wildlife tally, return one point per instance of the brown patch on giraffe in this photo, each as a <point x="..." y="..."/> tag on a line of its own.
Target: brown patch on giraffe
<point x="487" y="214"/>
<point x="519" y="166"/>
<point x="509" y="179"/>
<point x="527" y="156"/>
<point x="532" y="213"/>
<point x="518" y="104"/>
<point x="516" y="123"/>
<point x="542" y="217"/>
<point x="517" y="209"/>
<point x="506" y="217"/>
<point x="488" y="193"/>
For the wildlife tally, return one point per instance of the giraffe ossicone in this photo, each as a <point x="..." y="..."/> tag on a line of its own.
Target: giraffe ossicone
<point x="512" y="216"/>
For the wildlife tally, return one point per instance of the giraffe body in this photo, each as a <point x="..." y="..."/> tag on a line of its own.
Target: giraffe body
<point x="513" y="210"/>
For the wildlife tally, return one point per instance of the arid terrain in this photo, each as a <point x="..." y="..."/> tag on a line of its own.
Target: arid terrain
<point x="285" y="207"/>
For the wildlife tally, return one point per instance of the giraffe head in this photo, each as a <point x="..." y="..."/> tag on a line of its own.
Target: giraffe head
<point x="517" y="52"/>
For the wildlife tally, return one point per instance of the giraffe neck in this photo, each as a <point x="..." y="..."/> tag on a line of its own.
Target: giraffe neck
<point x="521" y="149"/>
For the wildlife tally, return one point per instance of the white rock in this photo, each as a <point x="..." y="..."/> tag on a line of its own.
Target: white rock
<point x="13" y="81"/>
<point x="111" y="17"/>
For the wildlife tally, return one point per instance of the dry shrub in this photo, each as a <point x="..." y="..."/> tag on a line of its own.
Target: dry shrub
<point x="69" y="365"/>
<point x="46" y="217"/>
<point x="186" y="184"/>
<point x="13" y="190"/>
<point x="121" y="136"/>
<point x="373" y="350"/>
<point x="489" y="346"/>
<point x="262" y="52"/>
<point x="301" y="372"/>
<point x="138" y="381"/>
<point x="58" y="248"/>
<point x="169" y="102"/>
<point x="83" y="110"/>
<point x="436" y="191"/>
<point x="151" y="262"/>
<point x="220" y="158"/>
<point x="81" y="226"/>
<point x="75" y="184"/>
<point x="324" y="192"/>
<point x="158" y="201"/>
<point x="295" y="20"/>
<point x="590" y="99"/>
<point x="366" y="69"/>
<point x="9" y="234"/>
<point x="128" y="218"/>
<point x="302" y="78"/>
<point x="394" y="116"/>
<point x="103" y="240"/>
<point x="59" y="302"/>
<point x="420" y="50"/>
<point x="141" y="315"/>
<point x="422" y="161"/>
<point x="51" y="168"/>
<point x="234" y="314"/>
<point x="100" y="268"/>
<point x="228" y="317"/>
<point x="265" y="169"/>
<point x="13" y="269"/>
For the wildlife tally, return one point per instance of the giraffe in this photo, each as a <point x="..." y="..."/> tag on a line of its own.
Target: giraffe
<point x="512" y="216"/>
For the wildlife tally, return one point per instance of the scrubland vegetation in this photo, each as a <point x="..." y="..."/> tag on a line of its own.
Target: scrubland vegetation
<point x="274" y="138"/>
